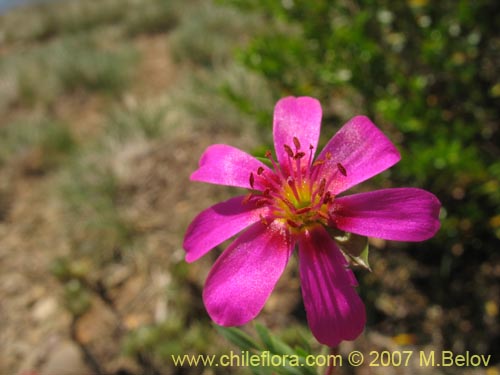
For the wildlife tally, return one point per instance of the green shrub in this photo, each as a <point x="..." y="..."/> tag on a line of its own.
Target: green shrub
<point x="424" y="72"/>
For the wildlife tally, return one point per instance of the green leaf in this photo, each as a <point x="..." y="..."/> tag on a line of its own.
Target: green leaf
<point x="238" y="337"/>
<point x="265" y="337"/>
<point x="281" y="348"/>
<point x="278" y="347"/>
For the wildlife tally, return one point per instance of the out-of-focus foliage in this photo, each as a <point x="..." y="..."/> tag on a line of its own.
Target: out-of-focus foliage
<point x="76" y="16"/>
<point x="47" y="139"/>
<point x="42" y="74"/>
<point x="211" y="39"/>
<point x="427" y="73"/>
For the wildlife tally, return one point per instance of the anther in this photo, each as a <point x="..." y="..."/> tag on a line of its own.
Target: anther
<point x="262" y="202"/>
<point x="303" y="210"/>
<point x="246" y="199"/>
<point x="328" y="155"/>
<point x="311" y="147"/>
<point x="299" y="155"/>
<point x="323" y="215"/>
<point x="296" y="143"/>
<point x="268" y="154"/>
<point x="328" y="198"/>
<point x="322" y="186"/>
<point x="288" y="150"/>
<point x="318" y="162"/>
<point x="252" y="180"/>
<point x="293" y="224"/>
<point x="291" y="183"/>
<point x="260" y="170"/>
<point x="341" y="169"/>
<point x="263" y="220"/>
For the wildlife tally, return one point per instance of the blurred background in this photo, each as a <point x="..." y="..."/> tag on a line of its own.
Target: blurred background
<point x="106" y="106"/>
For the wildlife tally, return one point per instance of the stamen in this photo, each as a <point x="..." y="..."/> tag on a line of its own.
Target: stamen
<point x="303" y="210"/>
<point x="269" y="181"/>
<point x="296" y="143"/>
<point x="288" y="150"/>
<point x="341" y="169"/>
<point x="263" y="220"/>
<point x="299" y="155"/>
<point x="318" y="162"/>
<point x="292" y="223"/>
<point x="309" y="167"/>
<point x="291" y="183"/>
<point x="323" y="215"/>
<point x="321" y="189"/>
<point x="246" y="199"/>
<point x="289" y="204"/>
<point x="261" y="202"/>
<point x="276" y="167"/>
<point x="328" y="198"/>
<point x="311" y="148"/>
<point x="278" y="195"/>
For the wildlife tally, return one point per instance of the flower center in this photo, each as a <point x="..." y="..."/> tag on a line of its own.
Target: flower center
<point x="293" y="189"/>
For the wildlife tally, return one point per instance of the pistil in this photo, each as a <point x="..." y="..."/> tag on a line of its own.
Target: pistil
<point x="295" y="193"/>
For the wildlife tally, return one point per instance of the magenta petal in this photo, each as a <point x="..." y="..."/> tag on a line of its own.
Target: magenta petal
<point x="300" y="118"/>
<point x="243" y="277"/>
<point x="334" y="310"/>
<point x="219" y="223"/>
<point x="361" y="149"/>
<point x="403" y="214"/>
<point x="226" y="165"/>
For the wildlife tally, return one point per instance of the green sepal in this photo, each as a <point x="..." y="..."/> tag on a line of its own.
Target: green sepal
<point x="355" y="247"/>
<point x="362" y="259"/>
<point x="265" y="161"/>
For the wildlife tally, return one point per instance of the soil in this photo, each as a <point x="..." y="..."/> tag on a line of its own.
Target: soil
<point x="37" y="332"/>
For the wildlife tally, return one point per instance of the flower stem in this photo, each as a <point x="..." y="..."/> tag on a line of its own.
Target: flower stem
<point x="330" y="370"/>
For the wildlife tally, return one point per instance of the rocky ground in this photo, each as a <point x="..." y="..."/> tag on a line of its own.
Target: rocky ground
<point x="42" y="335"/>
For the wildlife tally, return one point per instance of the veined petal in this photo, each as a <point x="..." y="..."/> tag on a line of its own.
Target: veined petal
<point x="362" y="150"/>
<point x="400" y="214"/>
<point x="219" y="223"/>
<point x="334" y="310"/>
<point x="244" y="275"/>
<point x="226" y="165"/>
<point x="300" y="118"/>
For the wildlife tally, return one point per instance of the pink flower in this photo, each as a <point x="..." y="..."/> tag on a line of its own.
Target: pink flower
<point x="293" y="203"/>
